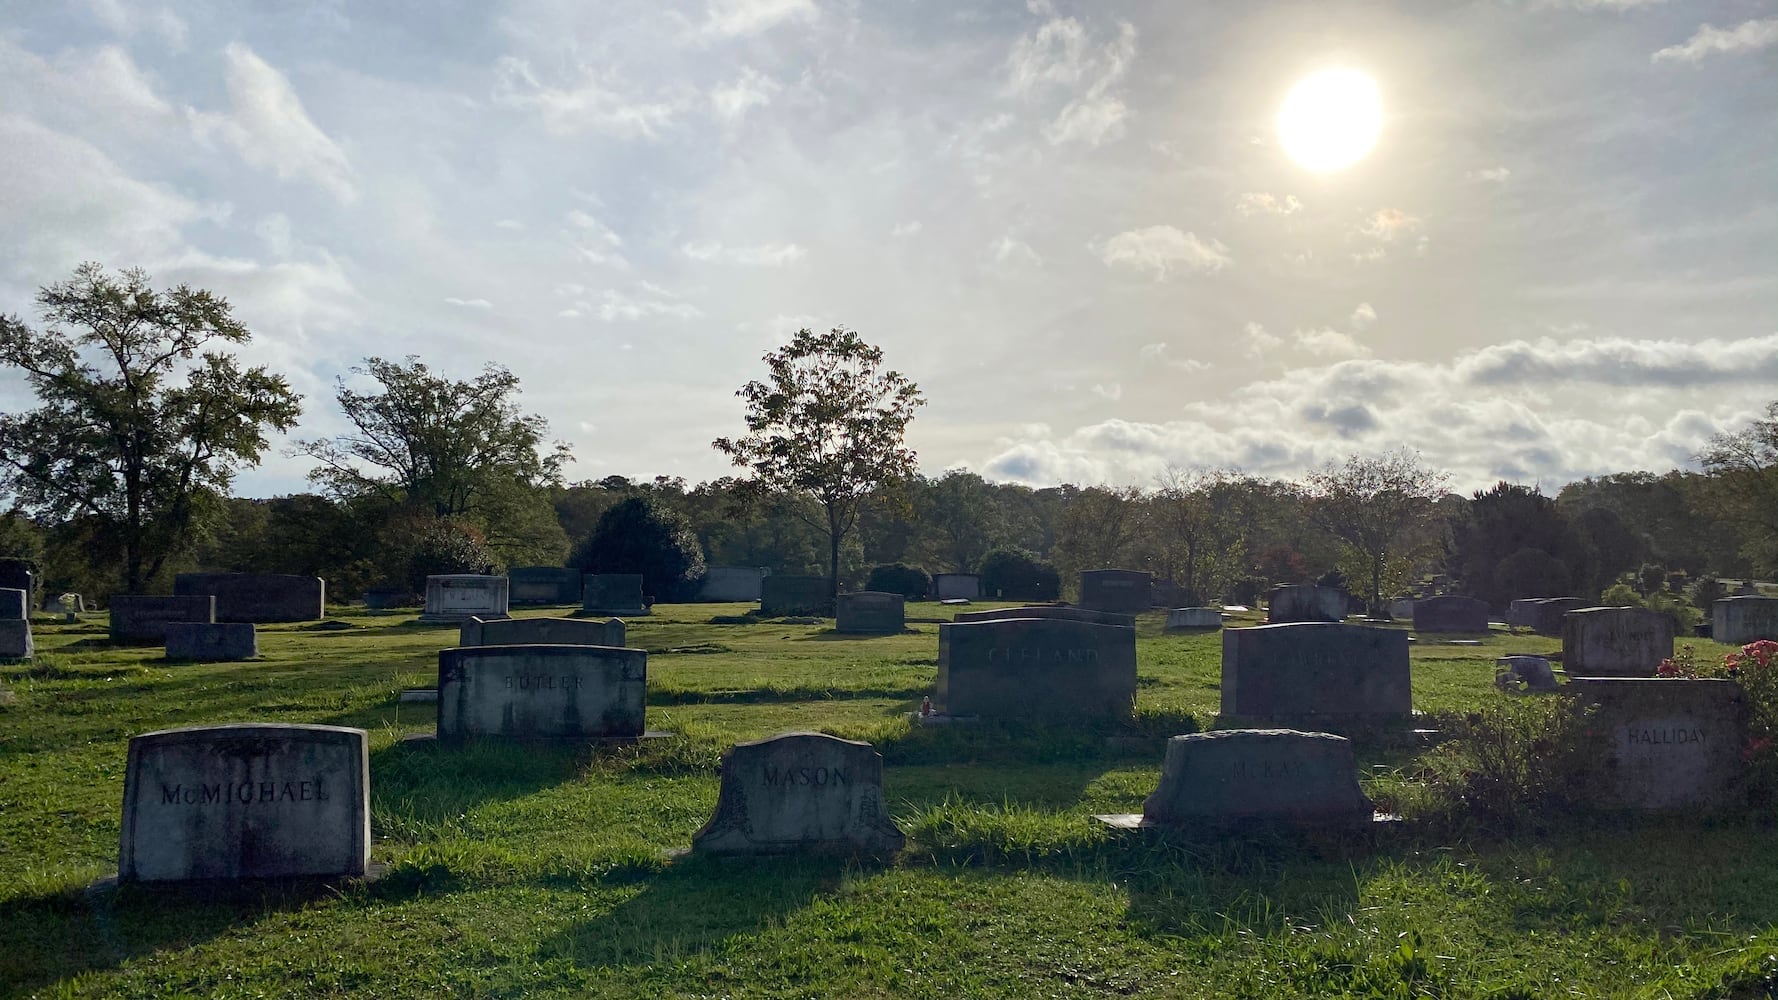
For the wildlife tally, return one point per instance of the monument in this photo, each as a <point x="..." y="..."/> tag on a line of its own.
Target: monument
<point x="258" y="597"/>
<point x="15" y="639"/>
<point x="1121" y="591"/>
<point x="1055" y="611"/>
<point x="1181" y="619"/>
<point x="612" y="594"/>
<point x="1741" y="620"/>
<point x="543" y="585"/>
<point x="1247" y="775"/>
<point x="456" y="597"/>
<point x="1315" y="671"/>
<point x="1615" y="642"/>
<point x="1542" y="615"/>
<point x="541" y="692"/>
<point x="800" y="793"/>
<point x="541" y="632"/>
<point x="870" y="612"/>
<point x="211" y="641"/>
<point x="1451" y="613"/>
<point x="1303" y="602"/>
<point x="1037" y="668"/>
<point x="783" y="594"/>
<point x="143" y="618"/>
<point x="1668" y="744"/>
<point x="957" y="586"/>
<point x="725" y="584"/>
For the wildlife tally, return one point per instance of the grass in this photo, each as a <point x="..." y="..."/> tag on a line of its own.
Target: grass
<point x="540" y="872"/>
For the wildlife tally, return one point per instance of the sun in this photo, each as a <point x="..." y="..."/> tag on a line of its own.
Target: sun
<point x="1330" y="119"/>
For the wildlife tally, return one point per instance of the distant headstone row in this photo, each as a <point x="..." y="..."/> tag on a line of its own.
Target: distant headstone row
<point x="1542" y="615"/>
<point x="1741" y="620"/>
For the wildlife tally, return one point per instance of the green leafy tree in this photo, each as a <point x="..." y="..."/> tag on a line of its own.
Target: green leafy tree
<point x="142" y="423"/>
<point x="1742" y="467"/>
<point x="1500" y="524"/>
<point x="826" y="425"/>
<point x="641" y="534"/>
<point x="1099" y="529"/>
<point x="1383" y="511"/>
<point x="958" y="513"/>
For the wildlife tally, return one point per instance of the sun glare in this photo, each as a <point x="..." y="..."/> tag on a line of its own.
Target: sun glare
<point x="1330" y="119"/>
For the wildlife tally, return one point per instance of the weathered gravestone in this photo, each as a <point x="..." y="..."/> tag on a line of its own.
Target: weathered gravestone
<point x="800" y="792"/>
<point x="258" y="597"/>
<point x="1315" y="670"/>
<point x="16" y="574"/>
<point x="612" y="594"/>
<point x="731" y="583"/>
<point x="1401" y="609"/>
<point x="541" y="692"/>
<point x="1615" y="642"/>
<point x="457" y="597"/>
<point x="211" y="641"/>
<point x="1185" y="618"/>
<point x="957" y="586"/>
<point x="1122" y="591"/>
<point x="1543" y="615"/>
<point x="781" y="594"/>
<point x="1667" y="744"/>
<point x="541" y="632"/>
<point x="15" y="639"/>
<point x="1258" y="774"/>
<point x="13" y="604"/>
<point x="1451" y="613"/>
<point x="246" y="801"/>
<point x="1037" y="668"/>
<point x="1741" y="620"/>
<point x="142" y="618"/>
<point x="1053" y="611"/>
<point x="1305" y="602"/>
<point x="870" y="612"/>
<point x="1524" y="674"/>
<point x="71" y="604"/>
<point x="543" y="585"/>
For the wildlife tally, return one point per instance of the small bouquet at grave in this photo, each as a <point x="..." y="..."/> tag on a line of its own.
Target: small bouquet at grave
<point x="1682" y="665"/>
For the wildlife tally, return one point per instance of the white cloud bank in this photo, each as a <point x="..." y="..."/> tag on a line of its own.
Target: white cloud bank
<point x="267" y="126"/>
<point x="1708" y="40"/>
<point x="1162" y="250"/>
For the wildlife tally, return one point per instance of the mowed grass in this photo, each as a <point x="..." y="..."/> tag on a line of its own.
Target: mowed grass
<point x="541" y="872"/>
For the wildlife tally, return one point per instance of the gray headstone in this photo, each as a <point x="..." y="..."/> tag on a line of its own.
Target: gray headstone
<point x="1037" y="668"/>
<point x="870" y="612"/>
<point x="1402" y="610"/>
<point x="142" y="618"/>
<point x="381" y="598"/>
<point x="211" y="641"/>
<point x="1451" y="613"/>
<point x="15" y="639"/>
<point x="782" y="594"/>
<point x="456" y="597"/>
<point x="1615" y="642"/>
<point x="15" y="574"/>
<point x="1542" y="615"/>
<point x="1668" y="744"/>
<point x="1303" y="602"/>
<point x="541" y="632"/>
<point x="1056" y="612"/>
<point x="1741" y="620"/>
<point x="957" y="586"/>
<point x="258" y="597"/>
<point x="800" y="792"/>
<point x="71" y="604"/>
<point x="612" y="594"/>
<point x="1269" y="774"/>
<point x="1121" y="591"/>
<point x="543" y="585"/>
<point x="14" y="604"/>
<point x="246" y="801"/>
<point x="1521" y="674"/>
<point x="541" y="692"/>
<point x="1314" y="670"/>
<point x="1184" y="618"/>
<point x="731" y="583"/>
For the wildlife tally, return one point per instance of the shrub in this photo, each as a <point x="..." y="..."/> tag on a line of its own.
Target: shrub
<point x="1676" y="608"/>
<point x="1531" y="571"/>
<point x="1332" y="578"/>
<point x="640" y="535"/>
<point x="1706" y="592"/>
<point x="438" y="546"/>
<point x="910" y="582"/>
<point x="1017" y="575"/>
<point x="1511" y="762"/>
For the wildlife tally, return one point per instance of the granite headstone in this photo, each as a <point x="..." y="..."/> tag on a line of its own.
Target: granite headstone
<point x="541" y="632"/>
<point x="543" y="585"/>
<point x="1180" y="619"/>
<point x="258" y="597"/>
<point x="1258" y="774"/>
<point x="800" y="793"/>
<point x="143" y="618"/>
<point x="1037" y="668"/>
<point x="456" y="597"/>
<point x="1305" y="602"/>
<point x="1451" y="613"/>
<point x="1315" y="670"/>
<point x="1615" y="642"/>
<point x="1668" y="744"/>
<point x="541" y="692"/>
<point x="211" y="641"/>
<point x="957" y="586"/>
<point x="783" y="594"/>
<point x="1741" y="620"/>
<point x="1121" y="591"/>
<point x="612" y="594"/>
<point x="870" y="612"/>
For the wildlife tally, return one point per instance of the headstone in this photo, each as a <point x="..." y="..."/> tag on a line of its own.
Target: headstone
<point x="1053" y="611"/>
<point x="1522" y="674"/>
<point x="1258" y="774"/>
<point x="460" y="596"/>
<point x="258" y="597"/>
<point x="541" y="632"/>
<point x="1615" y="642"/>
<point x="1122" y="591"/>
<point x="1184" y="618"/>
<point x="1315" y="670"/>
<point x="15" y="639"/>
<point x="731" y="583"/>
<point x="142" y="618"/>
<point x="1451" y="613"/>
<point x="14" y="604"/>
<point x="1668" y="744"/>
<point x="71" y="604"/>
<point x="246" y="801"/>
<point x="782" y="594"/>
<point x="612" y="594"/>
<point x="957" y="586"/>
<point x="1306" y="602"/>
<point x="1402" y="610"/>
<point x="1037" y="668"/>
<point x="1542" y="615"/>
<point x="541" y="692"/>
<point x="211" y="641"/>
<point x="870" y="612"/>
<point x="1741" y="620"/>
<point x="1746" y="589"/>
<point x="383" y="598"/>
<point x="800" y="792"/>
<point x="543" y="585"/>
<point x="16" y="574"/>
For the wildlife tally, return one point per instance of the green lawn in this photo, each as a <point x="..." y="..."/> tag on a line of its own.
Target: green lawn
<point x="539" y="872"/>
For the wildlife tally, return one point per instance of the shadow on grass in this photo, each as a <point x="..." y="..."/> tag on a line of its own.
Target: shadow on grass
<point x="421" y="784"/>
<point x="768" y="695"/>
<point x="834" y="635"/>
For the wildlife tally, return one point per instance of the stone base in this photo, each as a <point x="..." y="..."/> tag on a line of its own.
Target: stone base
<point x="225" y="888"/>
<point x="418" y="695"/>
<point x="455" y="618"/>
<point x="610" y="613"/>
<point x="652" y="734"/>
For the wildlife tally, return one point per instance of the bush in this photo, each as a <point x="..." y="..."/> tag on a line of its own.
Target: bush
<point x="1332" y="578"/>
<point x="910" y="582"/>
<point x="639" y="535"/>
<point x="1706" y="592"/>
<point x="1017" y="575"/>
<point x="1531" y="571"/>
<point x="438" y="546"/>
<point x="1676" y="608"/>
<point x="1511" y="762"/>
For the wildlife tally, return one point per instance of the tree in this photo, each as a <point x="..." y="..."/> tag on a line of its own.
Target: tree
<point x="958" y="512"/>
<point x="1190" y="516"/>
<point x="141" y="428"/>
<point x="1382" y="511"/>
<point x="1743" y="483"/>
<point x="1098" y="529"/>
<point x="1501" y="524"/>
<point x="642" y="535"/>
<point x="827" y="426"/>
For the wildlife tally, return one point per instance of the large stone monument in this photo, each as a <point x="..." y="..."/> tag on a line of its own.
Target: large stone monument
<point x="870" y="612"/>
<point x="1668" y="744"/>
<point x="246" y="801"/>
<point x="1181" y="619"/>
<point x="1121" y="591"/>
<point x="541" y="632"/>
<point x="211" y="641"/>
<point x="541" y="692"/>
<point x="142" y="618"/>
<point x="957" y="586"/>
<point x="258" y="597"/>
<point x="1305" y="602"/>
<point x="1542" y="615"/>
<point x="1055" y="611"/>
<point x="1615" y="642"/>
<point x="781" y="594"/>
<point x="804" y="793"/>
<point x="612" y="594"/>
<point x="543" y="585"/>
<point x="1258" y="774"/>
<point x="1451" y="613"/>
<point x="1037" y="668"/>
<point x="457" y="597"/>
<point x="1741" y="620"/>
<point x="724" y="584"/>
<point x="1315" y="671"/>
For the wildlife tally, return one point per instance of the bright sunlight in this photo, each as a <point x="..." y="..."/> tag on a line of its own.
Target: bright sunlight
<point x="1330" y="119"/>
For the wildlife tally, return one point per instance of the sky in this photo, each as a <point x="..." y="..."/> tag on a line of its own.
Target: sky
<point x="1073" y="225"/>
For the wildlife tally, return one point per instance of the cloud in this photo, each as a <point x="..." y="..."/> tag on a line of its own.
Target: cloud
<point x="1009" y="251"/>
<point x="1259" y="343"/>
<point x="587" y="103"/>
<point x="512" y="224"/>
<point x="267" y="126"/>
<point x="1386" y="224"/>
<point x="131" y="19"/>
<point x="616" y="305"/>
<point x="735" y="18"/>
<point x="1748" y="36"/>
<point x="1363" y="316"/>
<point x="731" y="101"/>
<point x="581" y="220"/>
<point x="909" y="228"/>
<point x="1328" y="343"/>
<point x="1157" y="353"/>
<point x="1489" y="175"/>
<point x="469" y="303"/>
<point x="763" y="255"/>
<point x="1161" y="250"/>
<point x="1059" y="56"/>
<point x="1261" y="203"/>
<point x="1113" y="392"/>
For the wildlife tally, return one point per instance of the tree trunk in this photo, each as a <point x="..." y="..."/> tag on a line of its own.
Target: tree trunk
<point x="833" y="560"/>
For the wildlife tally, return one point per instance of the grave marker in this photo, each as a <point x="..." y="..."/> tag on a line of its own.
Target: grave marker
<point x="783" y="594"/>
<point x="1741" y="620"/>
<point x="143" y="618"/>
<point x="16" y="642"/>
<point x="957" y="586"/>
<point x="870" y="612"/>
<point x="1037" y="668"/>
<point x="1258" y="774"/>
<point x="258" y="597"/>
<point x="1122" y="591"/>
<point x="541" y="632"/>
<point x="1451" y="613"/>
<point x="456" y="597"/>
<point x="800" y="792"/>
<point x="1668" y="744"/>
<point x="1306" y="603"/>
<point x="731" y="583"/>
<point x="211" y="641"/>
<point x="612" y="594"/>
<point x="1179" y="619"/>
<point x="541" y="692"/>
<point x="543" y="585"/>
<point x="1315" y="670"/>
<point x="1615" y="642"/>
<point x="1054" y="611"/>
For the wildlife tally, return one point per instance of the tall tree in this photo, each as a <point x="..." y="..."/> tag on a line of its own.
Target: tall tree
<point x="1098" y="530"/>
<point x="141" y="428"/>
<point x="827" y="424"/>
<point x="1743" y="482"/>
<point x="1382" y="511"/>
<point x="959" y="514"/>
<point x="1497" y="541"/>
